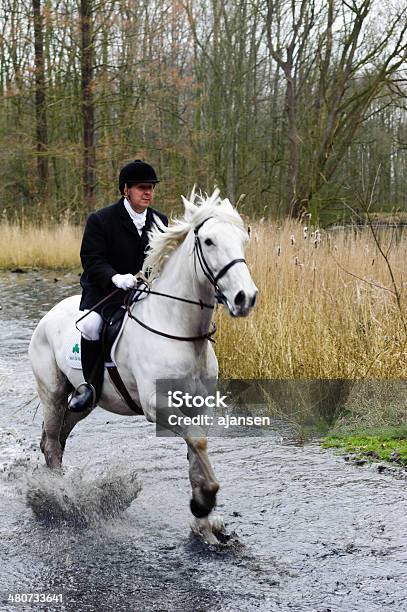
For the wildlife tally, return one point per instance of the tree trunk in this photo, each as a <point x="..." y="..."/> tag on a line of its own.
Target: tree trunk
<point x="293" y="135"/>
<point x="40" y="104"/>
<point x="88" y="109"/>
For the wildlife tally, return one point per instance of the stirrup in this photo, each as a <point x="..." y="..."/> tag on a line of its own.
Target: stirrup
<point x="82" y="400"/>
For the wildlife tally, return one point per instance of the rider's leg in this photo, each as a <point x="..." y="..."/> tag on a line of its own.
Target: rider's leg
<point x="92" y="363"/>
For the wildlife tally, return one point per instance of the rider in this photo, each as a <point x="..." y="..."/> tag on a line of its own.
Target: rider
<point x="113" y="250"/>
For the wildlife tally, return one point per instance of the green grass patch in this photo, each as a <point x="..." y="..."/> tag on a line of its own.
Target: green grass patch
<point x="384" y="444"/>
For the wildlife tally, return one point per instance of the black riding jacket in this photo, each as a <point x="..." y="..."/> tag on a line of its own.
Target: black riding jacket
<point x="111" y="245"/>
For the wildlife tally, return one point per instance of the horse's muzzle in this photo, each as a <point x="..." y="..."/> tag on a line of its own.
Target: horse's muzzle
<point x="243" y="303"/>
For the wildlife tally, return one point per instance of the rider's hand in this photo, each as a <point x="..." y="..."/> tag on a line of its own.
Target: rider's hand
<point x="124" y="281"/>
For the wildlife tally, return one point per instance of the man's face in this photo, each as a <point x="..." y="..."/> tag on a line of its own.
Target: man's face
<point x="140" y="196"/>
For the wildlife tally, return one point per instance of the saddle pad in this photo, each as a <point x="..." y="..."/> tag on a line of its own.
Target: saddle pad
<point x="73" y="347"/>
<point x="73" y="350"/>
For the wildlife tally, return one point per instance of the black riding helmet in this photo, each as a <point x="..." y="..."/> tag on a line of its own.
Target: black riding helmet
<point x="136" y="171"/>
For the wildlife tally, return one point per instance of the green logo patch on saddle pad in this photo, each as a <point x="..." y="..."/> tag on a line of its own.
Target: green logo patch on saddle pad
<point x="73" y="352"/>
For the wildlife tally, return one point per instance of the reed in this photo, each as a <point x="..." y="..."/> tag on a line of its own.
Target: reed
<point x="326" y="307"/>
<point x="39" y="246"/>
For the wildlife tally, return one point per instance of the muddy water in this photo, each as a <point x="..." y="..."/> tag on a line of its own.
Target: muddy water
<point x="308" y="531"/>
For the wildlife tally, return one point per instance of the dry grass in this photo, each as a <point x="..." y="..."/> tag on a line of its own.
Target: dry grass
<point x="39" y="246"/>
<point x="314" y="319"/>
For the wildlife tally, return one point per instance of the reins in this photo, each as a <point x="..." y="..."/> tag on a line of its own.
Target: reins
<point x="172" y="297"/>
<point x="133" y="298"/>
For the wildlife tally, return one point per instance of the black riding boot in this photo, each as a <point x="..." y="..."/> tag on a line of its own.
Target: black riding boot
<point x="93" y="372"/>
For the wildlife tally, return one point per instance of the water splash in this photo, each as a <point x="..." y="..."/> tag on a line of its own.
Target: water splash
<point x="81" y="498"/>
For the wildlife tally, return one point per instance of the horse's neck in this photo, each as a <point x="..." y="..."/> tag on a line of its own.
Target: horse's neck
<point x="179" y="278"/>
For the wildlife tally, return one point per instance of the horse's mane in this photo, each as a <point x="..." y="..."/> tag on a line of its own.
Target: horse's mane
<point x="163" y="240"/>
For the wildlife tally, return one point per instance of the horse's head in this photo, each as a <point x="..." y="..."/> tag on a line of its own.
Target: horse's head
<point x="220" y="240"/>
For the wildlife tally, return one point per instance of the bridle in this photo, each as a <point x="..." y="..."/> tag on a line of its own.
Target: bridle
<point x="135" y="295"/>
<point x="198" y="252"/>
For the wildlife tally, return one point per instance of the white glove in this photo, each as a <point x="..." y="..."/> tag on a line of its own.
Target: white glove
<point x="124" y="281"/>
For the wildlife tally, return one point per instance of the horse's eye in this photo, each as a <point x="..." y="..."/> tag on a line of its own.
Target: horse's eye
<point x="208" y="242"/>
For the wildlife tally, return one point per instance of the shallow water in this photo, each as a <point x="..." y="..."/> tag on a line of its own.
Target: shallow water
<point x="310" y="531"/>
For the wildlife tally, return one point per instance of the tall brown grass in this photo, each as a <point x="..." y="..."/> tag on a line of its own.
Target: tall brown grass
<point x="326" y="306"/>
<point x="39" y="246"/>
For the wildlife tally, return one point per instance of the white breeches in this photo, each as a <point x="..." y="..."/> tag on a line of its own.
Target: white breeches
<point x="91" y="326"/>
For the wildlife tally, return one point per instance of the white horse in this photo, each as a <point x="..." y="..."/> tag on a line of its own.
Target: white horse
<point x="199" y="258"/>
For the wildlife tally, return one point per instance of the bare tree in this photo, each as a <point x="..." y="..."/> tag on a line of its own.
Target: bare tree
<point x="302" y="21"/>
<point x="333" y="78"/>
<point x="40" y="103"/>
<point x="88" y="109"/>
<point x="284" y="100"/>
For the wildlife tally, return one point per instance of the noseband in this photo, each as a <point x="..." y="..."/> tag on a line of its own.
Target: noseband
<point x="198" y="251"/>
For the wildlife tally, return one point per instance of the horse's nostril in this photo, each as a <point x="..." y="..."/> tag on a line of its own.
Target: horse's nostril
<point x="240" y="298"/>
<point x="253" y="300"/>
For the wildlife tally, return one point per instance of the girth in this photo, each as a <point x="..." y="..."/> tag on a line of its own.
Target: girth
<point x="112" y="324"/>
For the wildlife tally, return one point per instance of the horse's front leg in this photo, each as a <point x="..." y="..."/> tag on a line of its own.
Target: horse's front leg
<point x="202" y="477"/>
<point x="204" y="489"/>
<point x="203" y="481"/>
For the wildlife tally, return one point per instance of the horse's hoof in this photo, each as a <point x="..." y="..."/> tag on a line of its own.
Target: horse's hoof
<point x="217" y="525"/>
<point x="204" y="529"/>
<point x="53" y="462"/>
<point x="55" y="468"/>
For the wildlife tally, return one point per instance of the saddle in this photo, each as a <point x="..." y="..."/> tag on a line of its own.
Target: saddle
<point x="112" y="324"/>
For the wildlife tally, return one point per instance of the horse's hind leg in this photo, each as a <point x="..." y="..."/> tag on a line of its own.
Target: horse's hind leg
<point x="55" y="405"/>
<point x="54" y="408"/>
<point x="53" y="388"/>
<point x="70" y="420"/>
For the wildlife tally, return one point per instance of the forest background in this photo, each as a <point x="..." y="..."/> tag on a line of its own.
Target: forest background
<point x="300" y="104"/>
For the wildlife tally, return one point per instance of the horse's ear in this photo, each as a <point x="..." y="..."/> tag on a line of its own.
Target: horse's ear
<point x="226" y="203"/>
<point x="190" y="208"/>
<point x="214" y="197"/>
<point x="192" y="194"/>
